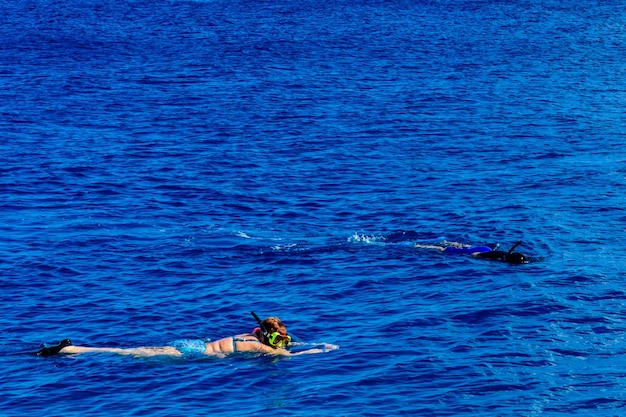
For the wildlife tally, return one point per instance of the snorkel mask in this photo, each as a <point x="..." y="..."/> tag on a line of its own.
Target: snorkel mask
<point x="275" y="339"/>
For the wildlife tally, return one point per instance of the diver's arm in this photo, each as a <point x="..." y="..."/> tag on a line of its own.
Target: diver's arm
<point x="325" y="348"/>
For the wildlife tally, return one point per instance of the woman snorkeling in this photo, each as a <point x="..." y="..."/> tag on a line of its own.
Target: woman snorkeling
<point x="269" y="338"/>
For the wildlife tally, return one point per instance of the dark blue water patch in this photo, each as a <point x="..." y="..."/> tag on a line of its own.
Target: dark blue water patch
<point x="168" y="167"/>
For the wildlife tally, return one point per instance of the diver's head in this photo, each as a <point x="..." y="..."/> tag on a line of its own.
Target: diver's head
<point x="276" y="335"/>
<point x="517" y="258"/>
<point x="273" y="332"/>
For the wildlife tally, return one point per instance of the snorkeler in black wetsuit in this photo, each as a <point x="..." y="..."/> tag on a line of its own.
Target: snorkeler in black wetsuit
<point x="502" y="256"/>
<point x="482" y="252"/>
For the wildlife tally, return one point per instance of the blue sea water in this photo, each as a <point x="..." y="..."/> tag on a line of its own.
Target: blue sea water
<point x="168" y="166"/>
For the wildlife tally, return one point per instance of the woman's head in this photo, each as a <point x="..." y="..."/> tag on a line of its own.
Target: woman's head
<point x="277" y="332"/>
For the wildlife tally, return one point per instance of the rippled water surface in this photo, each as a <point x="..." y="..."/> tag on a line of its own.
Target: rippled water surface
<point x="167" y="167"/>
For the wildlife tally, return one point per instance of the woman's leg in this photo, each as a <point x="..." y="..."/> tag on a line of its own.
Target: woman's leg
<point x="456" y="244"/>
<point x="142" y="351"/>
<point x="436" y="247"/>
<point x="66" y="346"/>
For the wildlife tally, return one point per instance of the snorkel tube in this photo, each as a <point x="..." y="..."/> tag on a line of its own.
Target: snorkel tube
<point x="513" y="247"/>
<point x="264" y="331"/>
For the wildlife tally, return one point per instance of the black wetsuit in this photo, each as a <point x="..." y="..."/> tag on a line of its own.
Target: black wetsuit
<point x="502" y="256"/>
<point x="508" y="257"/>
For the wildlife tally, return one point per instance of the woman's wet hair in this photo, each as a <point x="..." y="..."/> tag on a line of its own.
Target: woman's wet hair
<point x="273" y="324"/>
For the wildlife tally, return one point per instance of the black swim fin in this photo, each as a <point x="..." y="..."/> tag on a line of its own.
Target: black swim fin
<point x="53" y="350"/>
